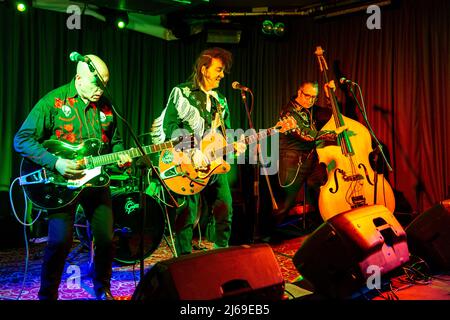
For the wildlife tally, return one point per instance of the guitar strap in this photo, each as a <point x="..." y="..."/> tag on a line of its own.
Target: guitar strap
<point x="217" y="111"/>
<point x="297" y="108"/>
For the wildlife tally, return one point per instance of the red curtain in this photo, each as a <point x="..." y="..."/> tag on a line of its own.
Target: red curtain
<point x="404" y="72"/>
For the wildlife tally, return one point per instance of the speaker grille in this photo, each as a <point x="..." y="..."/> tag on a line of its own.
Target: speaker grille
<point x="336" y="257"/>
<point x="235" y="272"/>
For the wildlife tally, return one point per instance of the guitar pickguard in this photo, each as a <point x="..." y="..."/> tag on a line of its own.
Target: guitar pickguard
<point x="89" y="175"/>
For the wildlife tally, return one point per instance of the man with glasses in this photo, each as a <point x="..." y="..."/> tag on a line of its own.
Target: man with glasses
<point x="298" y="157"/>
<point x="71" y="114"/>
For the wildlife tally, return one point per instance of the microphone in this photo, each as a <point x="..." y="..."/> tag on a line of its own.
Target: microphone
<point x="75" y="56"/>
<point x="236" y="85"/>
<point x="344" y="80"/>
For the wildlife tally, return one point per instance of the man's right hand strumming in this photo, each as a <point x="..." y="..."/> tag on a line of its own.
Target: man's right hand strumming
<point x="69" y="168"/>
<point x="198" y="159"/>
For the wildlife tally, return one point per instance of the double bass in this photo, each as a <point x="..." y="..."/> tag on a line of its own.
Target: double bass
<point x="351" y="181"/>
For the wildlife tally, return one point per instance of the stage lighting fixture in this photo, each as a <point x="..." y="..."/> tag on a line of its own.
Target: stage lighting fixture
<point x="279" y="29"/>
<point x="22" y="6"/>
<point x="267" y="27"/>
<point x="121" y="20"/>
<point x="120" y="23"/>
<point x="270" y="28"/>
<point x="117" y="19"/>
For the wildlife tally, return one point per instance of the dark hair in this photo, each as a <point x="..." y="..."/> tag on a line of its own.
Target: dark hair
<point x="205" y="59"/>
<point x="314" y="83"/>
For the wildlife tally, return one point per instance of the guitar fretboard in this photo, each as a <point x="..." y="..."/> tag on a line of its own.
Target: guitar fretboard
<point x="251" y="139"/>
<point x="133" y="153"/>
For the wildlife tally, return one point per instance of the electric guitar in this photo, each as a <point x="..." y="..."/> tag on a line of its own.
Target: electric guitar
<point x="182" y="176"/>
<point x="48" y="189"/>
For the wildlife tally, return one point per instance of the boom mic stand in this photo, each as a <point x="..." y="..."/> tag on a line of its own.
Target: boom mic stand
<point x="147" y="162"/>
<point x="379" y="150"/>
<point x="256" y="178"/>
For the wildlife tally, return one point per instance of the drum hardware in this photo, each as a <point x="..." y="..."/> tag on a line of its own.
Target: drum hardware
<point x="126" y="226"/>
<point x="125" y="200"/>
<point x="155" y="190"/>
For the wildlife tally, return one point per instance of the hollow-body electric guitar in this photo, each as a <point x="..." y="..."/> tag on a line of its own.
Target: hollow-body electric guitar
<point x="183" y="176"/>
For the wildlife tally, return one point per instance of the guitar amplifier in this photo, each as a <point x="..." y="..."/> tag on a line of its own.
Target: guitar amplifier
<point x="241" y="272"/>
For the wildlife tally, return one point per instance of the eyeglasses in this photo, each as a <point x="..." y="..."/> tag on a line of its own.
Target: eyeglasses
<point x="309" y="97"/>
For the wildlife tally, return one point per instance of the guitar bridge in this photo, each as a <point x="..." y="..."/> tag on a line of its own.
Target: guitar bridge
<point x="171" y="173"/>
<point x="35" y="177"/>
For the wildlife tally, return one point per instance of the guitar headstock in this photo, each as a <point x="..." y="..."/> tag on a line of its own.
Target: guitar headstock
<point x="286" y="124"/>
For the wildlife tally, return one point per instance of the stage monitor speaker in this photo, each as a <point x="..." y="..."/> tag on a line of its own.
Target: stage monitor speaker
<point x="429" y="236"/>
<point x="240" y="272"/>
<point x="338" y="257"/>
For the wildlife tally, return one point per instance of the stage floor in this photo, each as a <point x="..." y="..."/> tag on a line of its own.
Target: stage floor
<point x="125" y="278"/>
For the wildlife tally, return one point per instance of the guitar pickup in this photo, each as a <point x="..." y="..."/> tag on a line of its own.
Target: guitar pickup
<point x="35" y="177"/>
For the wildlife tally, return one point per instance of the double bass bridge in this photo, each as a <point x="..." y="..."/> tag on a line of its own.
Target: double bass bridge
<point x="354" y="177"/>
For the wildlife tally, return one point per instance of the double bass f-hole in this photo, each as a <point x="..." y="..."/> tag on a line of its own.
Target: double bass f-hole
<point x="366" y="173"/>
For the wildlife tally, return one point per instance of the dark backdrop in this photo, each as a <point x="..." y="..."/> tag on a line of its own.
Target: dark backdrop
<point x="403" y="70"/>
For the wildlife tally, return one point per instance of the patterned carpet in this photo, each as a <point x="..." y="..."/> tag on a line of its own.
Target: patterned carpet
<point x="76" y="283"/>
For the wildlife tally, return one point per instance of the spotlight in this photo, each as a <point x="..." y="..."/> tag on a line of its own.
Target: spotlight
<point x="279" y="29"/>
<point x="121" y="23"/>
<point x="121" y="20"/>
<point x="273" y="29"/>
<point x="22" y="6"/>
<point x="118" y="19"/>
<point x="267" y="27"/>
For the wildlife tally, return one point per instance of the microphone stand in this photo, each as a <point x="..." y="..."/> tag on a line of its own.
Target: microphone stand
<point x="379" y="150"/>
<point x="256" y="173"/>
<point x="148" y="163"/>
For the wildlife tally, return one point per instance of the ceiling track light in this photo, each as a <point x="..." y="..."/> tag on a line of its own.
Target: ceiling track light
<point x="270" y="28"/>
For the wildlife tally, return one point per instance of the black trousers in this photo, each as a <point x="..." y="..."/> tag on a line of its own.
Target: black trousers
<point x="296" y="167"/>
<point x="217" y="198"/>
<point x="97" y="207"/>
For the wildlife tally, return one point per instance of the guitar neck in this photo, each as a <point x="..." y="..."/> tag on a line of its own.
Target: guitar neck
<point x="251" y="139"/>
<point x="92" y="162"/>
